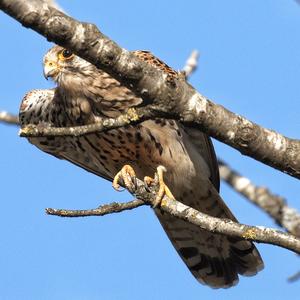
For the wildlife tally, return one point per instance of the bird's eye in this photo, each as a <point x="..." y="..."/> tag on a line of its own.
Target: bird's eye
<point x="65" y="54"/>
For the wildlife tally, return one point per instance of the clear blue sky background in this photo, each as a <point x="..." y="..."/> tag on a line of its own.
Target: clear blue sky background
<point x="249" y="63"/>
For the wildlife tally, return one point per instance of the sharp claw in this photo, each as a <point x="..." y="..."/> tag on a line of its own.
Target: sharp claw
<point x="158" y="180"/>
<point x="116" y="181"/>
<point x="126" y="177"/>
<point x="148" y="182"/>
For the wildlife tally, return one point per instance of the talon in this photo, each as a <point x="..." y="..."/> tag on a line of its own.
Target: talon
<point x="148" y="180"/>
<point x="163" y="188"/>
<point x="127" y="177"/>
<point x="116" y="180"/>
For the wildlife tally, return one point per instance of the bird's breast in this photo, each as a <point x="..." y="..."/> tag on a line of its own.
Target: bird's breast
<point x="144" y="147"/>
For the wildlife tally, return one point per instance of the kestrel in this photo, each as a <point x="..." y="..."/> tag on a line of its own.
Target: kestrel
<point x="82" y="96"/>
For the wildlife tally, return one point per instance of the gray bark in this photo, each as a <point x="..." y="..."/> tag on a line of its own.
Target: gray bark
<point x="164" y="97"/>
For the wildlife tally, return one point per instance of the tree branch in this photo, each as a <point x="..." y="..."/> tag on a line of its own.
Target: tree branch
<point x="191" y="64"/>
<point x="147" y="195"/>
<point x="275" y="206"/>
<point x="102" y="210"/>
<point x="294" y="277"/>
<point x="164" y="97"/>
<point x="131" y="116"/>
<point x="8" y="118"/>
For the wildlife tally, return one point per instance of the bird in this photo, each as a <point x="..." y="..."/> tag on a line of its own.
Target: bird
<point x="83" y="95"/>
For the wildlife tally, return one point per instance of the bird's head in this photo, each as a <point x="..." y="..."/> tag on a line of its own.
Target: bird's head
<point x="61" y="65"/>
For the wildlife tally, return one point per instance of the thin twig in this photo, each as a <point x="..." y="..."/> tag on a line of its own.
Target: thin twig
<point x="131" y="116"/>
<point x="191" y="63"/>
<point x="275" y="206"/>
<point x="102" y="210"/>
<point x="294" y="277"/>
<point x="8" y="118"/>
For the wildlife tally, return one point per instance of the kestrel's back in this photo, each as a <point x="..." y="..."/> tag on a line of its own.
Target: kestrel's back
<point x="84" y="94"/>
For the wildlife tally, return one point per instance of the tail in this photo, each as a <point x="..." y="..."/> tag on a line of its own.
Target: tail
<point x="214" y="259"/>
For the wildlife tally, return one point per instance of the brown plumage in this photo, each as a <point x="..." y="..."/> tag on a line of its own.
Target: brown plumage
<point x="83" y="94"/>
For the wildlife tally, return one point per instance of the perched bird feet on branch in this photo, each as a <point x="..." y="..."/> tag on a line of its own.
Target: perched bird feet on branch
<point x="126" y="177"/>
<point x="163" y="188"/>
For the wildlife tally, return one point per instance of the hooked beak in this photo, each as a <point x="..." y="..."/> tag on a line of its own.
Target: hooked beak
<point x="51" y="69"/>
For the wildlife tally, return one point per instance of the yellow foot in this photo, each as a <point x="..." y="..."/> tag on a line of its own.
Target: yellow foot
<point x="163" y="189"/>
<point x="127" y="177"/>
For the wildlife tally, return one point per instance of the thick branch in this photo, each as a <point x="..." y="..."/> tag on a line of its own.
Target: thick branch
<point x="147" y="196"/>
<point x="274" y="205"/>
<point x="170" y="98"/>
<point x="8" y="118"/>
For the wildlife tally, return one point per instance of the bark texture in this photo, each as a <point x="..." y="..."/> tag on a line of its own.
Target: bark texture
<point x="275" y="206"/>
<point x="163" y="96"/>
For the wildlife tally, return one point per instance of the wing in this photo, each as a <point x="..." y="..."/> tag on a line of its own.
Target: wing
<point x="38" y="107"/>
<point x="204" y="147"/>
<point x="214" y="259"/>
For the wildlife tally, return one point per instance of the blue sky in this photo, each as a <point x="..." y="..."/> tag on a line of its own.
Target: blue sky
<point x="249" y="63"/>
